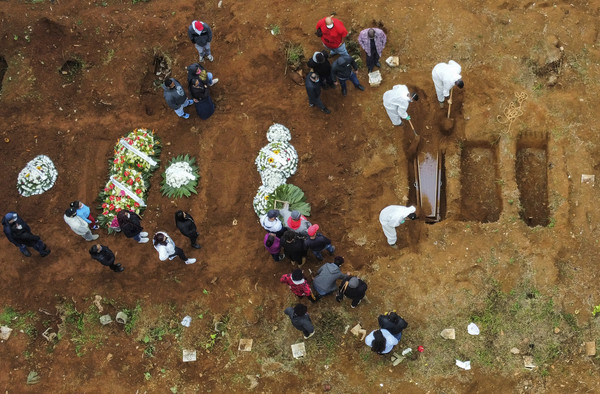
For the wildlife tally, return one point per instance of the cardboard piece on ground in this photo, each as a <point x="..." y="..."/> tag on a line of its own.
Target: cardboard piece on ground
<point x="106" y="319"/>
<point x="189" y="355"/>
<point x="396" y="359"/>
<point x="393" y="61"/>
<point x="358" y="330"/>
<point x="588" y="179"/>
<point x="590" y="348"/>
<point x="375" y="78"/>
<point x="245" y="345"/>
<point x="298" y="350"/>
<point x="448" y="333"/>
<point x="5" y="332"/>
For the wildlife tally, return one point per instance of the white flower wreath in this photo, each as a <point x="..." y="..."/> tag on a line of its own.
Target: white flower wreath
<point x="261" y="200"/>
<point x="279" y="156"/>
<point x="37" y="177"/>
<point x="278" y="133"/>
<point x="179" y="174"/>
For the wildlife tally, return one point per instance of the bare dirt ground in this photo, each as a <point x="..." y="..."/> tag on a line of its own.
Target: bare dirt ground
<point x="516" y="251"/>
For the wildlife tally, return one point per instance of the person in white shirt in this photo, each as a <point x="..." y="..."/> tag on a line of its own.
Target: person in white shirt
<point x="271" y="223"/>
<point x="381" y="341"/>
<point x="395" y="102"/>
<point x="166" y="248"/>
<point x="391" y="217"/>
<point x="445" y="77"/>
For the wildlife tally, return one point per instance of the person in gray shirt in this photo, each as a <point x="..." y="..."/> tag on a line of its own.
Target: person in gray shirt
<point x="325" y="281"/>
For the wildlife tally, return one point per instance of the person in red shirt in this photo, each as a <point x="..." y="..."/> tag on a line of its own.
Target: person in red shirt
<point x="332" y="33"/>
<point x="298" y="285"/>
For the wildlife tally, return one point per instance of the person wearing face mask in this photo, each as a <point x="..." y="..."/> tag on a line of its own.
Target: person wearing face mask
<point x="372" y="41"/>
<point x="395" y="102"/>
<point x="19" y="234"/>
<point x="332" y="33"/>
<point x="313" y="89"/>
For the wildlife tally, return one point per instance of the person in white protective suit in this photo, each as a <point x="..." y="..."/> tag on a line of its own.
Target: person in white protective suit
<point x="396" y="102"/>
<point x="445" y="77"/>
<point x="391" y="217"/>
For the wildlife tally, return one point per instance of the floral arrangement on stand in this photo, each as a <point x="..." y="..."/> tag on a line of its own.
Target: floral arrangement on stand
<point x="135" y="158"/>
<point x="276" y="162"/>
<point x="38" y="176"/>
<point x="180" y="178"/>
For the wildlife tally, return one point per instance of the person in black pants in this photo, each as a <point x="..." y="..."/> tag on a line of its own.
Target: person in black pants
<point x="300" y="320"/>
<point x="353" y="288"/>
<point x="320" y="64"/>
<point x="313" y="90"/>
<point x="293" y="246"/>
<point x="393" y="323"/>
<point x="185" y="223"/>
<point x="105" y="256"/>
<point x="19" y="234"/>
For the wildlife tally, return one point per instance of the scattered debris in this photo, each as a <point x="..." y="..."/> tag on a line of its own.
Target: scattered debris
<point x="326" y="387"/>
<point x="220" y="4"/>
<point x="588" y="179"/>
<point x="253" y="381"/>
<point x="45" y="312"/>
<point x="298" y="350"/>
<point x="5" y="333"/>
<point x="186" y="321"/>
<point x="466" y="365"/>
<point x="556" y="330"/>
<point x="109" y="357"/>
<point x="106" y="319"/>
<point x="375" y="78"/>
<point x="245" y="345"/>
<point x="396" y="359"/>
<point x="49" y="336"/>
<point x="214" y="280"/>
<point x="473" y="329"/>
<point x="515" y="350"/>
<point x="234" y="223"/>
<point x="393" y="61"/>
<point x="121" y="317"/>
<point x="448" y="333"/>
<point x="590" y="348"/>
<point x="345" y="328"/>
<point x="189" y="355"/>
<point x="420" y="349"/>
<point x="408" y="351"/>
<point x="358" y="330"/>
<point x="528" y="362"/>
<point x="97" y="302"/>
<point x="33" y="378"/>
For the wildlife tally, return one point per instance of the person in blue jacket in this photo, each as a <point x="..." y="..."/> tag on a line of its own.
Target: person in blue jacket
<point x="19" y="234"/>
<point x="83" y="211"/>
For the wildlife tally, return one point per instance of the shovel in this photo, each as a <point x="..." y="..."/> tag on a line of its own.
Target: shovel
<point x="412" y="149"/>
<point x="450" y="103"/>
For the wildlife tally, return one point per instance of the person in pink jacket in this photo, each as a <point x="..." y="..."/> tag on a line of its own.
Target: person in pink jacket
<point x="372" y="41"/>
<point x="273" y="245"/>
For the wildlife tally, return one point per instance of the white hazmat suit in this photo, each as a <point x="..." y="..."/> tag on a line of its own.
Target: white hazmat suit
<point x="444" y="77"/>
<point x="391" y="217"/>
<point x="396" y="102"/>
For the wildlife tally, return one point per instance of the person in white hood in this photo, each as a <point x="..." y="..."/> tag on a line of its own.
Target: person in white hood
<point x="391" y="217"/>
<point x="396" y="102"/>
<point x="166" y="248"/>
<point x="445" y="77"/>
<point x="78" y="225"/>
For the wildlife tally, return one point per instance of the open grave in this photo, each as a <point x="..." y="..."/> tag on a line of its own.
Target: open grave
<point x="532" y="180"/>
<point x="480" y="186"/>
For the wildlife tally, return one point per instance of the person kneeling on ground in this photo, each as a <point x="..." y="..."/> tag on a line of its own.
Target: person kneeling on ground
<point x="166" y="248"/>
<point x="381" y="341"/>
<point x="105" y="256"/>
<point x="393" y="323"/>
<point x="300" y="319"/>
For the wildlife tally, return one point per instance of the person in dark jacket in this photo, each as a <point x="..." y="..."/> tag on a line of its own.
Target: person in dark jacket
<point x="19" y="234"/>
<point x="273" y="246"/>
<point x="319" y="62"/>
<point x="201" y="35"/>
<point x="317" y="242"/>
<point x="185" y="223"/>
<point x="343" y="69"/>
<point x="313" y="90"/>
<point x="353" y="288"/>
<point x="175" y="97"/>
<point x="393" y="323"/>
<point x="131" y="226"/>
<point x="293" y="246"/>
<point x="327" y="275"/>
<point x="199" y="90"/>
<point x="196" y="70"/>
<point x="105" y="256"/>
<point x="300" y="319"/>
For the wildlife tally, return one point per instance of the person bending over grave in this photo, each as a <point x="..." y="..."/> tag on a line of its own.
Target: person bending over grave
<point x="300" y="319"/>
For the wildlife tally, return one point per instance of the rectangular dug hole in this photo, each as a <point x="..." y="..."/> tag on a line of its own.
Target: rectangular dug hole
<point x="531" y="170"/>
<point x="480" y="188"/>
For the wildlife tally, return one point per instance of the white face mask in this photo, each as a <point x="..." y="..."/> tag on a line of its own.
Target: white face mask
<point x="330" y="26"/>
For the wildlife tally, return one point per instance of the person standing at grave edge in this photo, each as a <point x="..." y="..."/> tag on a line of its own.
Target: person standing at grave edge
<point x="446" y="76"/>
